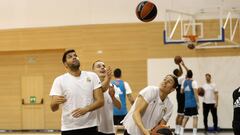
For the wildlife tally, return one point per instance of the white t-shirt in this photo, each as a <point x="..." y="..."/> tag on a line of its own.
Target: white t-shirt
<point x="181" y="79"/>
<point x="105" y="113"/>
<point x="79" y="93"/>
<point x="209" y="96"/>
<point x="156" y="111"/>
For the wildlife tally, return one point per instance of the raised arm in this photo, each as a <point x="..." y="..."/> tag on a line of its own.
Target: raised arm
<point x="185" y="67"/>
<point x="107" y="79"/>
<point x="180" y="67"/>
<point x="116" y="102"/>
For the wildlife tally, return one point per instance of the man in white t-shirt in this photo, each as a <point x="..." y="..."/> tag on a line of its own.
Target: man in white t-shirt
<point x="210" y="102"/>
<point x="80" y="93"/>
<point x="105" y="113"/>
<point x="152" y="107"/>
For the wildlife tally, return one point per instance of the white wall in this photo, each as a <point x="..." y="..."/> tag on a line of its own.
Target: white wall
<point x="42" y="13"/>
<point x="225" y="73"/>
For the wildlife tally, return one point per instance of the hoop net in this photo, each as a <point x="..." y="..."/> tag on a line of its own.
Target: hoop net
<point x="190" y="39"/>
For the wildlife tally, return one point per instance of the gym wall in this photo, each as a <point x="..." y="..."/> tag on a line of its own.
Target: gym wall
<point x="37" y="52"/>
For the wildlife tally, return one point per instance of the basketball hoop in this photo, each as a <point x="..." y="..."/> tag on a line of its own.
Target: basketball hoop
<point x="190" y="40"/>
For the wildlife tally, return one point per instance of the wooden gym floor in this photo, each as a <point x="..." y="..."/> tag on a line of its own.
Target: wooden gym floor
<point x="39" y="133"/>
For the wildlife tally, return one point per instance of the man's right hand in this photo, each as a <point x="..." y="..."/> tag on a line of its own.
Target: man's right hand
<point x="108" y="73"/>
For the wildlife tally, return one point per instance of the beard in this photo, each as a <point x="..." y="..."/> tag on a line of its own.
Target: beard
<point x="74" y="66"/>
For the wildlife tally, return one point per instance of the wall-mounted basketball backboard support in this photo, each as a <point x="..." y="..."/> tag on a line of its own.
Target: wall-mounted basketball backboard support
<point x="210" y="26"/>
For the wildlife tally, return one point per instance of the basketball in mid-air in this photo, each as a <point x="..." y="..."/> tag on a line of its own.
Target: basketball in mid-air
<point x="146" y="11"/>
<point x="177" y="59"/>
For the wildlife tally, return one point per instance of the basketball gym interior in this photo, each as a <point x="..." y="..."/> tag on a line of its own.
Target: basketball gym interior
<point x="34" y="35"/>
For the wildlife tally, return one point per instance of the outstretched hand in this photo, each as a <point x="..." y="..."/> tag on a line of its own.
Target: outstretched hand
<point x="108" y="73"/>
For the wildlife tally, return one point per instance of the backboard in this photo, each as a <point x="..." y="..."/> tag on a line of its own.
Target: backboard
<point x="209" y="25"/>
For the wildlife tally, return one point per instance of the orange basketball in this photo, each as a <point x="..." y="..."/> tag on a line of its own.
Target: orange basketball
<point x="146" y="11"/>
<point x="177" y="59"/>
<point x="201" y="91"/>
<point x="161" y="130"/>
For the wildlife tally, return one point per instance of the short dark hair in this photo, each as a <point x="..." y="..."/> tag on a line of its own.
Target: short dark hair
<point x="189" y="74"/>
<point x="175" y="81"/>
<point x="176" y="71"/>
<point x="208" y="74"/>
<point x="65" y="55"/>
<point x="117" y="73"/>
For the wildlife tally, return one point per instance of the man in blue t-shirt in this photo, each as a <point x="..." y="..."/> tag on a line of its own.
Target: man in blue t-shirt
<point x="119" y="114"/>
<point x="191" y="102"/>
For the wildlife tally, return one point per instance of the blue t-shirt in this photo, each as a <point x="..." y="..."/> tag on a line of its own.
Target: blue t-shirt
<point x="190" y="100"/>
<point x="122" y="96"/>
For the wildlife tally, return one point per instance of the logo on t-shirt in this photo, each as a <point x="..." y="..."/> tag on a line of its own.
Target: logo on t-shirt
<point x="88" y="79"/>
<point x="187" y="88"/>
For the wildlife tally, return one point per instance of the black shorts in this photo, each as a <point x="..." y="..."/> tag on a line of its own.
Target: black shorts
<point x="236" y="127"/>
<point x="191" y="111"/>
<point x="180" y="103"/>
<point x="85" y="131"/>
<point x="180" y="109"/>
<point x="117" y="119"/>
